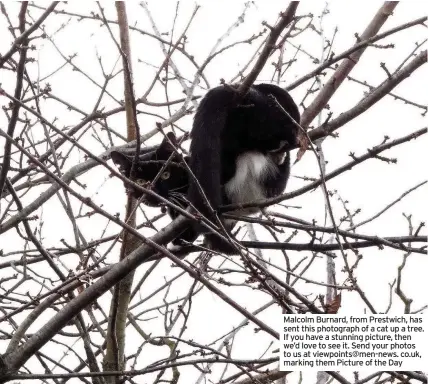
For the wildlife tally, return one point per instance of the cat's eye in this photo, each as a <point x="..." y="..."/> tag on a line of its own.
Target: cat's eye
<point x="165" y="175"/>
<point x="141" y="181"/>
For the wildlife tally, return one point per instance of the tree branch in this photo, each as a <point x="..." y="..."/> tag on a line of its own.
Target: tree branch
<point x="285" y="19"/>
<point x="346" y="66"/>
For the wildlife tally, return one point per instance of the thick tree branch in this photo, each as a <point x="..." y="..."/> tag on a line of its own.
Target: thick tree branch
<point x="18" y="90"/>
<point x="114" y="358"/>
<point x="346" y="66"/>
<point x="351" y="50"/>
<point x="285" y="19"/>
<point x="371" y="99"/>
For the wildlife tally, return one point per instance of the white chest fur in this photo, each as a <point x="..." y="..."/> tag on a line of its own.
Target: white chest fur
<point x="247" y="184"/>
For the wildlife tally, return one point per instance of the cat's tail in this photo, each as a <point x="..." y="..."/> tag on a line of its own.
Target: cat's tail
<point x="205" y="148"/>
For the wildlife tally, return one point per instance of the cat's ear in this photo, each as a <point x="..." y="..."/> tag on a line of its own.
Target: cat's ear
<point x="165" y="148"/>
<point x="122" y="161"/>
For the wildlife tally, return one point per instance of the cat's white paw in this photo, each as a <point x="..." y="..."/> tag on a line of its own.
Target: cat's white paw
<point x="174" y="247"/>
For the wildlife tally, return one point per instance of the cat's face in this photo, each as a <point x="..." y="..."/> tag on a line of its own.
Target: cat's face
<point x="149" y="174"/>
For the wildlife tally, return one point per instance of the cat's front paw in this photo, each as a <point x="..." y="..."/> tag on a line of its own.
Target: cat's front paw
<point x="174" y="248"/>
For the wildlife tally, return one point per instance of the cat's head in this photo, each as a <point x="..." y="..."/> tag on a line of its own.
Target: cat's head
<point x="172" y="180"/>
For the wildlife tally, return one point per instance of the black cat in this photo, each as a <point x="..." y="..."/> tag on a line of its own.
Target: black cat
<point x="169" y="181"/>
<point x="236" y="156"/>
<point x="236" y="149"/>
